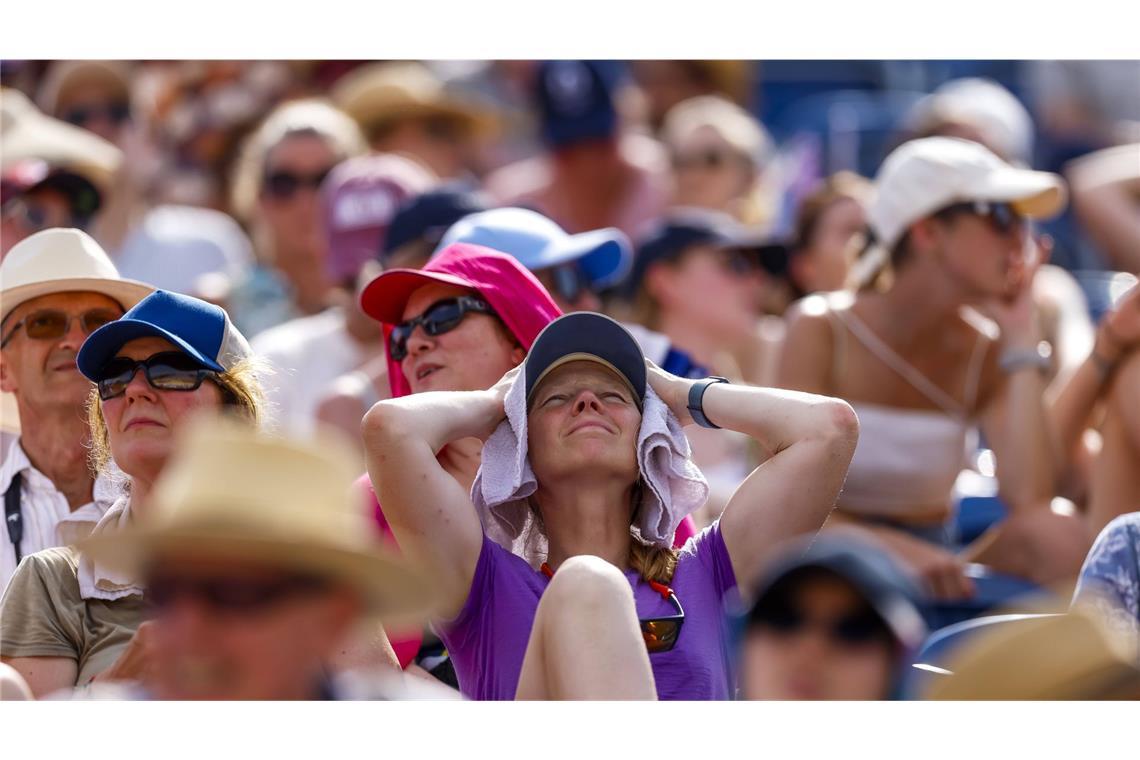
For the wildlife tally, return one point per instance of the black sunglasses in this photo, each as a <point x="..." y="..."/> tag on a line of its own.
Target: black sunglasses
<point x="285" y="184"/>
<point x="439" y="318"/>
<point x="168" y="371"/>
<point x="710" y="159"/>
<point x="52" y="324"/>
<point x="1001" y="216"/>
<point x="853" y="629"/>
<point x="113" y="112"/>
<point x="568" y="281"/>
<point x="228" y="595"/>
<point x="661" y="634"/>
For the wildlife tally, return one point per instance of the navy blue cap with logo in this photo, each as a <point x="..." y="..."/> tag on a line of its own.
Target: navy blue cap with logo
<point x="575" y="102"/>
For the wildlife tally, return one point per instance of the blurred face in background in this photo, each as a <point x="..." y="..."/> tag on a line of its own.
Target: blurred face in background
<point x="444" y="144"/>
<point x="822" y="264"/>
<point x="32" y="211"/>
<point x="232" y="629"/>
<point x="817" y="638"/>
<point x="709" y="172"/>
<point x="98" y="106"/>
<point x="713" y="290"/>
<point x="294" y="169"/>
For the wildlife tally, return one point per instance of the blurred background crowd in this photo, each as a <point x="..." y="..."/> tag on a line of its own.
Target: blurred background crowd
<point x="723" y="197"/>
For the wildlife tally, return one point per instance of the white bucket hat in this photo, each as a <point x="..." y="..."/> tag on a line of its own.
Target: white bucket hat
<point x="62" y="260"/>
<point x="923" y="176"/>
<point x="231" y="492"/>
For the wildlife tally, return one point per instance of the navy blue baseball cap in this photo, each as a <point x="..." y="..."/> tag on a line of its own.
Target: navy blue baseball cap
<point x="539" y="243"/>
<point x="894" y="597"/>
<point x="575" y="102"/>
<point x="426" y="217"/>
<point x="588" y="336"/>
<point x="690" y="227"/>
<point x="200" y="329"/>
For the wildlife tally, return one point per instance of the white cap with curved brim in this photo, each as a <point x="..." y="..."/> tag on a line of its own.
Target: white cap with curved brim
<point x="923" y="176"/>
<point x="60" y="260"/>
<point x="229" y="492"/>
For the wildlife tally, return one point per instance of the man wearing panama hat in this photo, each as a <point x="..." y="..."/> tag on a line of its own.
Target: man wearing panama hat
<point x="253" y="589"/>
<point x="56" y="287"/>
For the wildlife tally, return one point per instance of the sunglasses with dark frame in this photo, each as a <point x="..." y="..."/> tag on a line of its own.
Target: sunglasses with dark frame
<point x="53" y="324"/>
<point x="568" y="281"/>
<point x="439" y="318"/>
<point x="661" y="634"/>
<point x="853" y="629"/>
<point x="228" y="595"/>
<point x="284" y="184"/>
<point x="1001" y="216"/>
<point x="116" y="113"/>
<point x="168" y="371"/>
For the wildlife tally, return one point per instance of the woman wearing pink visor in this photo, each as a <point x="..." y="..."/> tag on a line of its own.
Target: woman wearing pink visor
<point x="458" y="324"/>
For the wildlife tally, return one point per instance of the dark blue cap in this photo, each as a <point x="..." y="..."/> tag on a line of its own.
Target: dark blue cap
<point x="588" y="336"/>
<point x="426" y="217"/>
<point x="880" y="581"/>
<point x="575" y="102"/>
<point x="199" y="328"/>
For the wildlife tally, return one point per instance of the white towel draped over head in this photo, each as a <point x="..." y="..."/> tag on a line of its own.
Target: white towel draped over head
<point x="505" y="480"/>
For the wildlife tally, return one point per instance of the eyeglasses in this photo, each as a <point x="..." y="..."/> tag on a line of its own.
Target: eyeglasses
<point x="52" y="324"/>
<point x="439" y="318"/>
<point x="1001" y="216"/>
<point x="568" y="281"/>
<point x="167" y="371"/>
<point x="34" y="216"/>
<point x="853" y="629"/>
<point x="661" y="634"/>
<point x="709" y="159"/>
<point x="113" y="112"/>
<point x="228" y="595"/>
<point x="285" y="184"/>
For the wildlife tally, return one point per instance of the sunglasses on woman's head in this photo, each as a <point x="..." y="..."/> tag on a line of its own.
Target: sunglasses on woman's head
<point x="228" y="595"/>
<point x="285" y="184"/>
<point x="1001" y="216"/>
<point x="852" y="629"/>
<point x="167" y="371"/>
<point x="439" y="318"/>
<point x="53" y="324"/>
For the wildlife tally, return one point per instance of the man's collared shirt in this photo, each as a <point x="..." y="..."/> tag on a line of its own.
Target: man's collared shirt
<point x="47" y="517"/>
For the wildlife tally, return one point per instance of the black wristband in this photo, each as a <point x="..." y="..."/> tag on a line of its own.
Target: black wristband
<point x="696" y="400"/>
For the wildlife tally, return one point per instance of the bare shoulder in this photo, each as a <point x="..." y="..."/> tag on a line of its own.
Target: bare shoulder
<point x="809" y="343"/>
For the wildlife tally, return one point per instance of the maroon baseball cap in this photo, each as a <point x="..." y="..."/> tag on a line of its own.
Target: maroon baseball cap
<point x="360" y="196"/>
<point x="517" y="297"/>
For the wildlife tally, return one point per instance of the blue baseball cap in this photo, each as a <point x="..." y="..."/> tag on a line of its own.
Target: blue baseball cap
<point x="200" y="329"/>
<point x="605" y="256"/>
<point x="575" y="102"/>
<point x="428" y="216"/>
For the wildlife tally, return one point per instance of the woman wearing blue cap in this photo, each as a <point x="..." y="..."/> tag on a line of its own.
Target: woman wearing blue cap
<point x="574" y="590"/>
<point x="66" y="620"/>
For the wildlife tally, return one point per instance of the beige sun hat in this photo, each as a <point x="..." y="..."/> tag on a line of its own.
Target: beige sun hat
<point x="62" y="260"/>
<point x="25" y="134"/>
<point x="379" y="93"/>
<point x="1055" y="657"/>
<point x="64" y="78"/>
<point x="232" y="492"/>
<point x="922" y="176"/>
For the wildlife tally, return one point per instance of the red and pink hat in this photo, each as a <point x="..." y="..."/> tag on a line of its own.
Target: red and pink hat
<point x="517" y="297"/>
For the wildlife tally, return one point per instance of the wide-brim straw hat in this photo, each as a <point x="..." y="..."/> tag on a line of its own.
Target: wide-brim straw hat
<point x="229" y="492"/>
<point x="378" y="94"/>
<point x="26" y="133"/>
<point x="60" y="260"/>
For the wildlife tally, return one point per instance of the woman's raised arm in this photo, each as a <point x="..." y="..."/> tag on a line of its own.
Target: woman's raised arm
<point x="430" y="514"/>
<point x="811" y="440"/>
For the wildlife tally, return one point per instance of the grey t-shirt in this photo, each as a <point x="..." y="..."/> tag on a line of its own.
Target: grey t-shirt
<point x="43" y="615"/>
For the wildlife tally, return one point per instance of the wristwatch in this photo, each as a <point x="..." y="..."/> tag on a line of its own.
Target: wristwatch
<point x="696" y="400"/>
<point x="1013" y="359"/>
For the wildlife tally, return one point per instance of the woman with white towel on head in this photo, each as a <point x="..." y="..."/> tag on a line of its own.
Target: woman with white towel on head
<point x="558" y="571"/>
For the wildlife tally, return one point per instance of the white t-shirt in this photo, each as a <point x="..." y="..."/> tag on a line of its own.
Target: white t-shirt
<point x="307" y="355"/>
